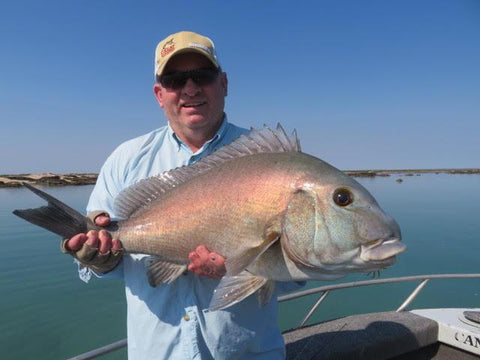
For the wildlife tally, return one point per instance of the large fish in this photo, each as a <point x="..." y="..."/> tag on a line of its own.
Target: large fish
<point x="274" y="212"/>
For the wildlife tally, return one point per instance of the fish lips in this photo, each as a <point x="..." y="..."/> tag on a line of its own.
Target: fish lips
<point x="381" y="250"/>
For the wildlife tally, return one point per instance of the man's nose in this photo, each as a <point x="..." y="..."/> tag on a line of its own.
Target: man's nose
<point x="191" y="88"/>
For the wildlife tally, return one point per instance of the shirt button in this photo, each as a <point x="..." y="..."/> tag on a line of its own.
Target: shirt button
<point x="186" y="317"/>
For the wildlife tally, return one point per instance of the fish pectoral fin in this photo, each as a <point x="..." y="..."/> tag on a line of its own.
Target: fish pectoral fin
<point x="160" y="271"/>
<point x="237" y="263"/>
<point x="233" y="289"/>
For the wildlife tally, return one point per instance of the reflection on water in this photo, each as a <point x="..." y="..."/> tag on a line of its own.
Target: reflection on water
<point x="48" y="313"/>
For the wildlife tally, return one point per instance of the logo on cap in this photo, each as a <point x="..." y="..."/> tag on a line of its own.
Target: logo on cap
<point x="167" y="48"/>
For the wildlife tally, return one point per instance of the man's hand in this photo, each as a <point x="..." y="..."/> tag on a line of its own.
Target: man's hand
<point x="95" y="249"/>
<point x="206" y="263"/>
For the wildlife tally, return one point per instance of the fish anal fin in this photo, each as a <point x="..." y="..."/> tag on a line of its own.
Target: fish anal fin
<point x="233" y="289"/>
<point x="160" y="271"/>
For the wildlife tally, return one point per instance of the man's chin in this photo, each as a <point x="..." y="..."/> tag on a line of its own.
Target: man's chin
<point x="196" y="121"/>
<point x="200" y="121"/>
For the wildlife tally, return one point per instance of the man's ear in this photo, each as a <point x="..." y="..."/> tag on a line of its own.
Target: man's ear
<point x="224" y="81"/>
<point x="157" y="90"/>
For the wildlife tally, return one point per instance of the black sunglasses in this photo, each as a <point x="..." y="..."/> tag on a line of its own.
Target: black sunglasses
<point x="177" y="80"/>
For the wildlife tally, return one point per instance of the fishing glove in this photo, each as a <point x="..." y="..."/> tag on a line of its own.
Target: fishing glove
<point x="91" y="257"/>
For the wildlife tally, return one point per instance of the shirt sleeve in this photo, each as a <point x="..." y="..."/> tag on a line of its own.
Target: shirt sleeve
<point x="107" y="187"/>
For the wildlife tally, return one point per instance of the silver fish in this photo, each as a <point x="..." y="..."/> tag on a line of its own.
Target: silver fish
<point x="275" y="213"/>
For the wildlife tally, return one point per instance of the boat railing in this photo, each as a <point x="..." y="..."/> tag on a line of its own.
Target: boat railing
<point x="323" y="292"/>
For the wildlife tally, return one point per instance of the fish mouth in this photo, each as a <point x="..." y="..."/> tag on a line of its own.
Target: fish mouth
<point x="381" y="250"/>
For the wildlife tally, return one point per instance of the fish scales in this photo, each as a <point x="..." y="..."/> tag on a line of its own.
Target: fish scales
<point x="223" y="209"/>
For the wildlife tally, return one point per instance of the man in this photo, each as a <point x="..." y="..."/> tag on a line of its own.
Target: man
<point x="172" y="321"/>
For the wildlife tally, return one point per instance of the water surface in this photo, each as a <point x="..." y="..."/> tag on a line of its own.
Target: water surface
<point x="48" y="313"/>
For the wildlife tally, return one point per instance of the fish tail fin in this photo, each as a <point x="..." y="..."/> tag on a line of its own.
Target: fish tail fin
<point x="56" y="217"/>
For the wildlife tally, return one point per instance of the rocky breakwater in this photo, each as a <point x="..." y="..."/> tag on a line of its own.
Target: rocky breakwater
<point x="48" y="179"/>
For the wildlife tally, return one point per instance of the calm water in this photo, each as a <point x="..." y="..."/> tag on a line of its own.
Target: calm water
<point x="47" y="313"/>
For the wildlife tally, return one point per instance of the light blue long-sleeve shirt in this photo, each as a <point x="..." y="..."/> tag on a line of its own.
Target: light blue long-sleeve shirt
<point x="172" y="321"/>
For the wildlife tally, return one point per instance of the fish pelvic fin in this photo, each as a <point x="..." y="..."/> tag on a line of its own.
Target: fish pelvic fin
<point x="233" y="289"/>
<point x="56" y="217"/>
<point x="163" y="272"/>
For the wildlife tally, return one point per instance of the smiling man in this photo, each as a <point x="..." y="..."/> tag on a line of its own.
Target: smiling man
<point x="196" y="112"/>
<point x="171" y="321"/>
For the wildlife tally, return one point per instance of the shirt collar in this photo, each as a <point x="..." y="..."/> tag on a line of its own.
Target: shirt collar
<point x="180" y="144"/>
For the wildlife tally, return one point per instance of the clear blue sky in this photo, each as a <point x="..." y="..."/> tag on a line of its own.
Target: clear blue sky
<point x="376" y="84"/>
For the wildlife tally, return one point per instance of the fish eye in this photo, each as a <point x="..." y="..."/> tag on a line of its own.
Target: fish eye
<point x="342" y="197"/>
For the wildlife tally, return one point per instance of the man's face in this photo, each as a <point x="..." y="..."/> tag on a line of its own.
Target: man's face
<point x="192" y="107"/>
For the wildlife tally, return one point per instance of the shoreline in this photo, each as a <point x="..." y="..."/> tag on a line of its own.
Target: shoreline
<point x="75" y="179"/>
<point x="48" y="179"/>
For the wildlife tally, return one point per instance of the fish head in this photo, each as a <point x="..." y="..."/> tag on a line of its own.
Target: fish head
<point x="334" y="225"/>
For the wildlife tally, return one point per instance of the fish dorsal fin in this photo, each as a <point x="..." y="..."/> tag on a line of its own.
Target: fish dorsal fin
<point x="265" y="140"/>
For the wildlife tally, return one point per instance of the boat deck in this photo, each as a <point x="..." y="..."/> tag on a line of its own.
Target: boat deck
<point x="384" y="335"/>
